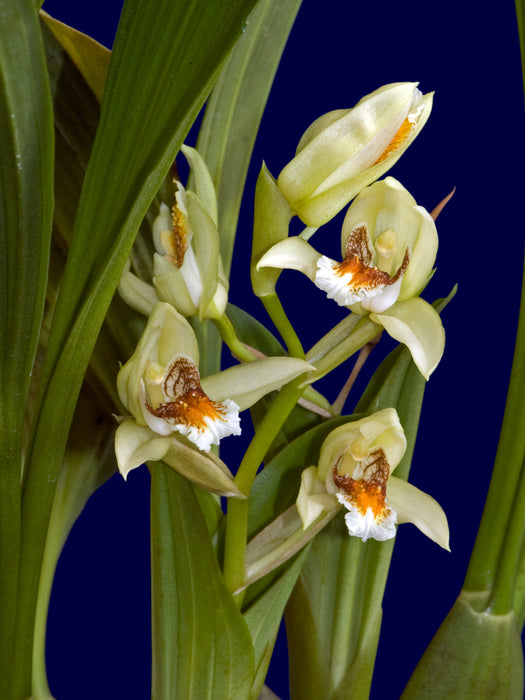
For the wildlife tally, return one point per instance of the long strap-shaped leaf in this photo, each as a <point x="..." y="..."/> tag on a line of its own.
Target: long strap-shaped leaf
<point x="165" y="58"/>
<point x="232" y="118"/>
<point x="26" y="201"/>
<point x="203" y="646"/>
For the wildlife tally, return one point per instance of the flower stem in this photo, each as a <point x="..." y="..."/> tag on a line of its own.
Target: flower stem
<point x="229" y="336"/>
<point x="276" y="312"/>
<point x="237" y="519"/>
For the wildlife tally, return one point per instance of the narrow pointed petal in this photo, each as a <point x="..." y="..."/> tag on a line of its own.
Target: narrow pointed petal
<point x="414" y="506"/>
<point x="203" y="182"/>
<point x="204" y="469"/>
<point x="136" y="444"/>
<point x="313" y="498"/>
<point x="167" y="332"/>
<point x="417" y="324"/>
<point x="293" y="253"/>
<point x="247" y="383"/>
<point x="138" y="294"/>
<point x="171" y="286"/>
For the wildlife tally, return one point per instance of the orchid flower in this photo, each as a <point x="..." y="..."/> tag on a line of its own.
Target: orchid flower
<point x="355" y="470"/>
<point x="187" y="265"/>
<point x="174" y="410"/>
<point x="389" y="246"/>
<point x="347" y="149"/>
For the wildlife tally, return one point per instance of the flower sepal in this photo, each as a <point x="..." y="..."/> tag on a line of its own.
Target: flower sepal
<point x="136" y="444"/>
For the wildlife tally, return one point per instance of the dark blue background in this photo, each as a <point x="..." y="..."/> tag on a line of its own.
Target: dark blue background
<point x="475" y="140"/>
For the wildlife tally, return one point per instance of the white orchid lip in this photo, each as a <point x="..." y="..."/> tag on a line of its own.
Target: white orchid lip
<point x="356" y="279"/>
<point x="175" y="402"/>
<point x="369" y="515"/>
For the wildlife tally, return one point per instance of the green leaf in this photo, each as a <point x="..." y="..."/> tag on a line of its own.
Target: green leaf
<point x="90" y="57"/>
<point x="202" y="644"/>
<point x="89" y="461"/>
<point x="474" y="656"/>
<point x="277" y="485"/>
<point x="236" y="106"/>
<point x="164" y="62"/>
<point x="263" y="618"/>
<point x="253" y="333"/>
<point x="26" y="204"/>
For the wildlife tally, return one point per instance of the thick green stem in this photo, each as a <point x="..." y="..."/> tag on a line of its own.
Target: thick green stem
<point x="237" y="519"/>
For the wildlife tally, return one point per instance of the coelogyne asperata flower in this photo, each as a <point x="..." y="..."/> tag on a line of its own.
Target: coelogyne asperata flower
<point x="355" y="470"/>
<point x="389" y="246"/>
<point x="173" y="408"/>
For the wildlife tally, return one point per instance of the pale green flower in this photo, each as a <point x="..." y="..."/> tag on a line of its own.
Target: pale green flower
<point x="347" y="149"/>
<point x="389" y="246"/>
<point x="161" y="387"/>
<point x="187" y="267"/>
<point x="355" y="470"/>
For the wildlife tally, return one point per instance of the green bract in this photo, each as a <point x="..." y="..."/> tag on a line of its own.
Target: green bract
<point x="355" y="469"/>
<point x="347" y="149"/>
<point x="172" y="407"/>
<point x="389" y="246"/>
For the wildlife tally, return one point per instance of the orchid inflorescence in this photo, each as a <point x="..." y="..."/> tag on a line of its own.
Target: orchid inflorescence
<point x="388" y="249"/>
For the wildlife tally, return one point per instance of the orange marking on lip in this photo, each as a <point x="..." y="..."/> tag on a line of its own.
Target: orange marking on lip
<point x="370" y="491"/>
<point x="188" y="404"/>
<point x="365" y="277"/>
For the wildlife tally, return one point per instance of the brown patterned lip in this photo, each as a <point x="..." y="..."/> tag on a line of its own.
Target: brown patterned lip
<point x="369" y="491"/>
<point x="187" y="404"/>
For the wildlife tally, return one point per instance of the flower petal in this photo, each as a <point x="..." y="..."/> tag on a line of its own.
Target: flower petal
<point x="204" y="469"/>
<point x="417" y="324"/>
<point x="381" y="429"/>
<point x="171" y="286"/>
<point x="292" y="253"/>
<point x="136" y="444"/>
<point x="247" y="383"/>
<point x="138" y="294"/>
<point x="166" y="333"/>
<point x="313" y="498"/>
<point x="203" y="181"/>
<point x="414" y="506"/>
